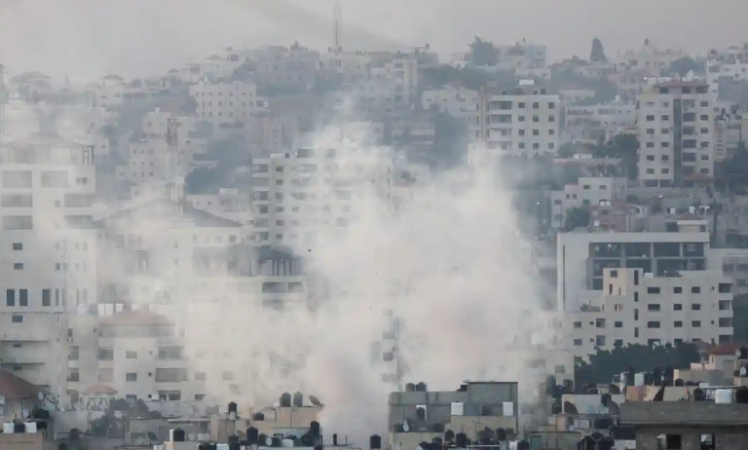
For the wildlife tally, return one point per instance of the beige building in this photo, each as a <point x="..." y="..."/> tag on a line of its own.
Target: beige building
<point x="458" y="102"/>
<point x="519" y="121"/>
<point x="587" y="192"/>
<point x="294" y="194"/>
<point x="637" y="308"/>
<point x="676" y="132"/>
<point x="226" y="105"/>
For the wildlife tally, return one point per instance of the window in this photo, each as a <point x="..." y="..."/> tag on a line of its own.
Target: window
<point x="725" y="288"/>
<point x="618" y="324"/>
<point x="650" y="118"/>
<point x="725" y="322"/>
<point x="653" y="324"/>
<point x="677" y="307"/>
<point x="600" y="341"/>
<point x="46" y="297"/>
<point x="17" y="246"/>
<point x="17" y="266"/>
<point x="577" y="324"/>
<point x="106" y="354"/>
<point x="131" y="355"/>
<point x="17" y="318"/>
<point x="199" y="397"/>
<point x="725" y="305"/>
<point x="599" y="323"/>
<point x="653" y="290"/>
<point x="696" y="290"/>
<point x="74" y="353"/>
<point x="677" y="290"/>
<point x="559" y="369"/>
<point x="696" y="307"/>
<point x="10" y="297"/>
<point x="200" y="376"/>
<point x="74" y="375"/>
<point x="131" y="377"/>
<point x="23" y="297"/>
<point x="613" y="274"/>
<point x="577" y="342"/>
<point x="696" y="324"/>
<point x="678" y="324"/>
<point x="171" y="375"/>
<point x="654" y="307"/>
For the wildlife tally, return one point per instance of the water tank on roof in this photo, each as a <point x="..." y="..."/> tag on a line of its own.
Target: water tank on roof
<point x="421" y="387"/>
<point x="31" y="427"/>
<point x="375" y="442"/>
<point x="176" y="435"/>
<point x="723" y="396"/>
<point x="8" y="428"/>
<point x="19" y="427"/>
<point x="458" y="408"/>
<point x="639" y="379"/>
<point x="285" y="400"/>
<point x="741" y="395"/>
<point x="298" y="399"/>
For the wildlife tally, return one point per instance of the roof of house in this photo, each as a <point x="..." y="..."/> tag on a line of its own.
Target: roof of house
<point x="166" y="208"/>
<point x="100" y="389"/>
<point x="16" y="388"/>
<point x="724" y="349"/>
<point x="136" y="317"/>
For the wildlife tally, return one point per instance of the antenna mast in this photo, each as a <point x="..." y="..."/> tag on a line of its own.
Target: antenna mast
<point x="337" y="19"/>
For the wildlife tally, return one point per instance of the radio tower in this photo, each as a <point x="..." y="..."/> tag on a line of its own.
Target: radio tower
<point x="337" y="19"/>
<point x="174" y="182"/>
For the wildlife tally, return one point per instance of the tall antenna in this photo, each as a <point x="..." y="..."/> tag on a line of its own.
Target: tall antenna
<point x="174" y="185"/>
<point x="337" y="22"/>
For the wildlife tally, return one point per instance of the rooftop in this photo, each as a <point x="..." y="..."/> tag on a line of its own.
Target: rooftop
<point x="15" y="388"/>
<point x="683" y="414"/>
<point x="137" y="317"/>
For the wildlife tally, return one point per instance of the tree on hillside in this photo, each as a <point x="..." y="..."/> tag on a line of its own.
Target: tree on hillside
<point x="483" y="53"/>
<point x="598" y="53"/>
<point x="682" y="66"/>
<point x="576" y="218"/>
<point x="624" y="146"/>
<point x="604" y="364"/>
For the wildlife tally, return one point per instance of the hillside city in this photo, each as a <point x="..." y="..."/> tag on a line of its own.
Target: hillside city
<point x="172" y="244"/>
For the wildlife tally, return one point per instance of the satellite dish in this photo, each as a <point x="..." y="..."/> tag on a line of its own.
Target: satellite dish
<point x="269" y="441"/>
<point x="737" y="353"/>
<point x="406" y="427"/>
<point x="743" y="371"/>
<point x="40" y="395"/>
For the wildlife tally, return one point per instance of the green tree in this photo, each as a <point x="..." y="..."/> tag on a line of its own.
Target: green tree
<point x="567" y="150"/>
<point x="740" y="318"/>
<point x="624" y="146"/>
<point x="576" y="218"/>
<point x="598" y="53"/>
<point x="483" y="53"/>
<point x="682" y="66"/>
<point x="604" y="364"/>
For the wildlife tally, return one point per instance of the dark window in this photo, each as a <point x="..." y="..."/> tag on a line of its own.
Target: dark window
<point x="17" y="246"/>
<point x="677" y="290"/>
<point x="653" y="290"/>
<point x="696" y="290"/>
<point x="677" y="307"/>
<point x="46" y="297"/>
<point x="678" y="324"/>
<point x="619" y="324"/>
<point x="577" y="324"/>
<point x="10" y="297"/>
<point x="17" y="318"/>
<point x="23" y="297"/>
<point x="696" y="307"/>
<point x="654" y="307"/>
<point x="696" y="324"/>
<point x="653" y="324"/>
<point x="725" y="288"/>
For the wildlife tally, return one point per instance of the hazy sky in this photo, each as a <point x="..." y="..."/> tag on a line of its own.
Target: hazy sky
<point x="84" y="38"/>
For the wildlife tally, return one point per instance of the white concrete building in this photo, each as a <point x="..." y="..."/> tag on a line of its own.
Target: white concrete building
<point x="591" y="123"/>
<point x="582" y="257"/>
<point x="733" y="262"/>
<point x="637" y="308"/>
<point x="49" y="264"/>
<point x="226" y="105"/>
<point x="731" y="64"/>
<point x="294" y="194"/>
<point x="588" y="191"/>
<point x="648" y="58"/>
<point x="519" y="121"/>
<point x="676" y="132"/>
<point x="457" y="101"/>
<point x="730" y="132"/>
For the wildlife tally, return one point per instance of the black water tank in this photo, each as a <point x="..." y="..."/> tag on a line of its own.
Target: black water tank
<point x="335" y="439"/>
<point x="586" y="443"/>
<point x="178" y="435"/>
<point x="276" y="441"/>
<point x="699" y="395"/>
<point x="461" y="440"/>
<point x="19" y="427"/>
<point x="501" y="434"/>
<point x="437" y="428"/>
<point x="421" y="387"/>
<point x="285" y="400"/>
<point x="523" y="445"/>
<point x="557" y="407"/>
<point x="258" y="416"/>
<point x="62" y="446"/>
<point x="606" y="443"/>
<point x="421" y="413"/>
<point x="437" y="440"/>
<point x="253" y="436"/>
<point x="233" y="439"/>
<point x="679" y="382"/>
<point x="298" y="399"/>
<point x="605" y="399"/>
<point x="410" y="387"/>
<point x="262" y="439"/>
<point x="319" y="447"/>
<point x="232" y="407"/>
<point x="449" y="435"/>
<point x="314" y="428"/>
<point x="741" y="395"/>
<point x="375" y="441"/>
<point x="235" y="446"/>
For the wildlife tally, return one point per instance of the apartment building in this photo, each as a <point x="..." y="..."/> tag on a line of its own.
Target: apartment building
<point x="676" y="132"/>
<point x="582" y="258"/>
<point x="148" y="162"/>
<point x="731" y="64"/>
<point x="733" y="262"/>
<point x="270" y="132"/>
<point x="281" y="66"/>
<point x="587" y="192"/>
<point x="455" y="101"/>
<point x="295" y="193"/>
<point x="49" y="260"/>
<point x="730" y="132"/>
<point x="637" y="308"/>
<point x="226" y="105"/>
<point x="519" y="121"/>
<point x="589" y="124"/>
<point x="648" y="58"/>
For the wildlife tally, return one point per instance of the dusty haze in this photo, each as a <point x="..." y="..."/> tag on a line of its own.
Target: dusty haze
<point x="88" y="38"/>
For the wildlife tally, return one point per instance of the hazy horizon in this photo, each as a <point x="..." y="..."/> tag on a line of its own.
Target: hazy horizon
<point x="85" y="38"/>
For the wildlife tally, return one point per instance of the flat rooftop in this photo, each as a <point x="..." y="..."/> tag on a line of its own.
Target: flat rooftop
<point x="680" y="414"/>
